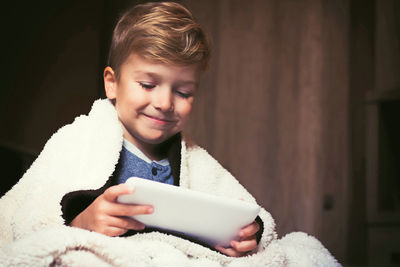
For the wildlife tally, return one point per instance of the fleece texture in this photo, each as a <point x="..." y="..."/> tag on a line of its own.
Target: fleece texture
<point x="82" y="156"/>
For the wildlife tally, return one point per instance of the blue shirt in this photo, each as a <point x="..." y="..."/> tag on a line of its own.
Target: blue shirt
<point x="134" y="163"/>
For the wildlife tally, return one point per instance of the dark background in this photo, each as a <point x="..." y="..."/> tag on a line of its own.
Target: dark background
<point x="301" y="104"/>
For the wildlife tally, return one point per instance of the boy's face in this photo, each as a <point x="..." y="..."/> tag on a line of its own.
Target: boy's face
<point x="153" y="100"/>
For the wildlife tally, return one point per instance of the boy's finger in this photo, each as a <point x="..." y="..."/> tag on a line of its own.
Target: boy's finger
<point x="249" y="230"/>
<point x="114" y="231"/>
<point x="244" y="246"/>
<point x="229" y="251"/>
<point x="126" y="224"/>
<point x="114" y="191"/>
<point x="121" y="210"/>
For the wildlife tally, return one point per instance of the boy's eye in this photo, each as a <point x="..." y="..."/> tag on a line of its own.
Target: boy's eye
<point x="146" y="86"/>
<point x="184" y="94"/>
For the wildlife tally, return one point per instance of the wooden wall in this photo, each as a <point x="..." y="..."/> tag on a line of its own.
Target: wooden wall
<point x="273" y="108"/>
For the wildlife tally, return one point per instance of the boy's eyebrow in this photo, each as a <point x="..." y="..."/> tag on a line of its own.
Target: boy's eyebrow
<point x="151" y="74"/>
<point x="189" y="83"/>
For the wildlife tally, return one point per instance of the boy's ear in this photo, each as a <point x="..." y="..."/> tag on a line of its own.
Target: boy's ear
<point x="110" y="83"/>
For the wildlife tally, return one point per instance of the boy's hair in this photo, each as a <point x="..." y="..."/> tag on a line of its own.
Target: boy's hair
<point x="162" y="32"/>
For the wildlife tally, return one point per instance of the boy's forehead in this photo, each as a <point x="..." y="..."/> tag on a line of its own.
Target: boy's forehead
<point x="141" y="65"/>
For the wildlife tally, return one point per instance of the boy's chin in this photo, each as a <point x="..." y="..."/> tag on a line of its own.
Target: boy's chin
<point x="156" y="140"/>
<point x="148" y="136"/>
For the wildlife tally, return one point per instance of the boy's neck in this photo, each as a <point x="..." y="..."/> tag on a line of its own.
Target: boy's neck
<point x="154" y="152"/>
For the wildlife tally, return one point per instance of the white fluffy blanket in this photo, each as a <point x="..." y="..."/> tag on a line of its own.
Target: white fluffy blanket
<point x="82" y="156"/>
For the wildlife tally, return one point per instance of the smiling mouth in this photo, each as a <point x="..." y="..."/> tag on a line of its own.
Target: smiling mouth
<point x="158" y="120"/>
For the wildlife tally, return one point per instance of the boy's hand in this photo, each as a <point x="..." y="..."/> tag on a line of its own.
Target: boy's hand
<point x="247" y="242"/>
<point x="105" y="215"/>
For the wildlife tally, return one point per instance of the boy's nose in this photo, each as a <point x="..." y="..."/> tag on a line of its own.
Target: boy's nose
<point x="162" y="99"/>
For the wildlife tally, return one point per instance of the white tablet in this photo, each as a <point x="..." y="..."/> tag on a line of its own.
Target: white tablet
<point x="210" y="219"/>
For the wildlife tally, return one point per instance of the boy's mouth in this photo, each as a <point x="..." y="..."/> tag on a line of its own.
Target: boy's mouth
<point x="159" y="120"/>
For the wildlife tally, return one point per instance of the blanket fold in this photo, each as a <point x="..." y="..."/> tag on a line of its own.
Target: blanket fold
<point x="82" y="156"/>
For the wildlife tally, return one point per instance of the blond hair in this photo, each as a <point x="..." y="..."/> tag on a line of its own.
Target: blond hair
<point x="162" y="32"/>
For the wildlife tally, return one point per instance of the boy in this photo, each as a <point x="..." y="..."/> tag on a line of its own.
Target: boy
<point x="151" y="81"/>
<point x="157" y="55"/>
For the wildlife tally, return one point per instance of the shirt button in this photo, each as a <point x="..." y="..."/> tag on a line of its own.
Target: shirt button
<point x="154" y="171"/>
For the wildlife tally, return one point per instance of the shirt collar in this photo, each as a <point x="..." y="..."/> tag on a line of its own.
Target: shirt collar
<point x="134" y="150"/>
